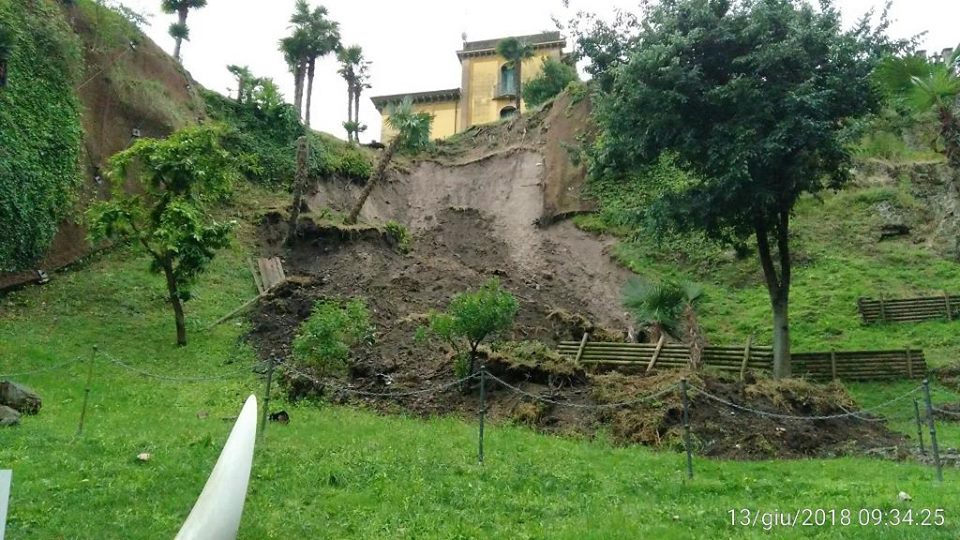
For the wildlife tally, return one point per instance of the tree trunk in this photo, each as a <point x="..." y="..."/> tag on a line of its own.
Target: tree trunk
<point x="356" y="113"/>
<point x="518" y="71"/>
<point x="376" y="177"/>
<point x="175" y="301"/>
<point x="778" y="287"/>
<point x="182" y="20"/>
<point x="299" y="186"/>
<point x="298" y="75"/>
<point x="950" y="132"/>
<point x="240" y="82"/>
<point x="311" y="70"/>
<point x="349" y="110"/>
<point x="3" y="73"/>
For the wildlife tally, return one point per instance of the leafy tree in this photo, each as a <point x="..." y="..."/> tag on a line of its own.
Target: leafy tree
<point x="604" y="45"/>
<point x="179" y="30"/>
<point x="753" y="97"/>
<point x="515" y="52"/>
<point x="472" y="317"/>
<point x="413" y="134"/>
<point x="314" y="36"/>
<point x="921" y="86"/>
<point x="245" y="81"/>
<point x="296" y="50"/>
<point x="168" y="217"/>
<point x="7" y="40"/>
<point x="354" y="70"/>
<point x="553" y="79"/>
<point x="326" y="337"/>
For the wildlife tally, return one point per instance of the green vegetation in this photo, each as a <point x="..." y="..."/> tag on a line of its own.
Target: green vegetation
<point x="40" y="130"/>
<point x="554" y="77"/>
<point x="314" y="36"/>
<point x="179" y="30"/>
<point x="179" y="178"/>
<point x="750" y="119"/>
<point x="399" y="234"/>
<point x="354" y="69"/>
<point x="470" y="318"/>
<point x="660" y="306"/>
<point x="333" y="328"/>
<point x="344" y="473"/>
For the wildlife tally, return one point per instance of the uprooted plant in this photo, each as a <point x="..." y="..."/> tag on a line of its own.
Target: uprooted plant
<point x="326" y="338"/>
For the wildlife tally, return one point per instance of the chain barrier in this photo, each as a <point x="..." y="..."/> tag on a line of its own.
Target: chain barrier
<point x="946" y="412"/>
<point x="641" y="399"/>
<point x="148" y="374"/>
<point x="41" y="370"/>
<point x="432" y="389"/>
<point x="855" y="414"/>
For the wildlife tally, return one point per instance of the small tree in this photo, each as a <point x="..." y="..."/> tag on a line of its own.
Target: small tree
<point x="325" y="339"/>
<point x="413" y="134"/>
<point x="177" y="180"/>
<point x="515" y="52"/>
<point x="553" y="79"/>
<point x="179" y="30"/>
<point x="470" y="318"/>
<point x="245" y="81"/>
<point x="753" y="97"/>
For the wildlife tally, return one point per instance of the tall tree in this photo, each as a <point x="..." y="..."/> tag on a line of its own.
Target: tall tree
<point x="245" y="81"/>
<point x="515" y="52"/>
<point x="753" y="97"/>
<point x="178" y="178"/>
<point x="315" y="36"/>
<point x="413" y="133"/>
<point x="921" y="86"/>
<point x="179" y="30"/>
<point x="354" y="70"/>
<point x="296" y="52"/>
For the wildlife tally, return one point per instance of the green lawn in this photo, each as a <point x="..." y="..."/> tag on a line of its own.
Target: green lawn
<point x="338" y="472"/>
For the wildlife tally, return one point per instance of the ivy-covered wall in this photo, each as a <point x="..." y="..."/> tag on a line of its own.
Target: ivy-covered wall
<point x="40" y="129"/>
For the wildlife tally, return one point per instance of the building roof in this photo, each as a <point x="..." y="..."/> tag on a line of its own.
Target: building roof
<point x="380" y="102"/>
<point x="489" y="46"/>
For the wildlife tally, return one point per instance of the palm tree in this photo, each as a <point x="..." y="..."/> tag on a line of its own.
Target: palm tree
<point x="352" y="69"/>
<point x="515" y="52"/>
<point x="413" y="133"/>
<point x="661" y="306"/>
<point x="296" y="51"/>
<point x="318" y="37"/>
<point x="179" y="30"/>
<point x="6" y="51"/>
<point x="245" y="81"/>
<point x="922" y="86"/>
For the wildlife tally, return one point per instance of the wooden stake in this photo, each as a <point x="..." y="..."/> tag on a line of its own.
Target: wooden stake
<point x="946" y="302"/>
<point x="883" y="310"/>
<point x="933" y="430"/>
<point x="916" y="414"/>
<point x="86" y="391"/>
<point x="909" y="364"/>
<point x="746" y="357"/>
<point x="833" y="364"/>
<point x="483" y="409"/>
<point x="656" y="353"/>
<point x="583" y="343"/>
<point x="686" y="427"/>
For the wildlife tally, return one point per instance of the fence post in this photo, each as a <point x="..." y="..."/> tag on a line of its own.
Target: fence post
<point x="916" y="414"/>
<point x="946" y="302"/>
<point x="883" y="310"/>
<point x="483" y="409"/>
<point x="271" y="365"/>
<point x="686" y="426"/>
<point x="833" y="363"/>
<point x="933" y="430"/>
<point x="583" y="343"/>
<point x="746" y="357"/>
<point x="86" y="390"/>
<point x="909" y="364"/>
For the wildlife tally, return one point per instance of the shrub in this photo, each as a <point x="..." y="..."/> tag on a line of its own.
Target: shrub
<point x="553" y="78"/>
<point x="352" y="163"/>
<point x="327" y="336"/>
<point x="399" y="235"/>
<point x="470" y="318"/>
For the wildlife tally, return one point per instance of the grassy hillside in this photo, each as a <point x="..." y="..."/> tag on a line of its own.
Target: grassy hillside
<point x="337" y="472"/>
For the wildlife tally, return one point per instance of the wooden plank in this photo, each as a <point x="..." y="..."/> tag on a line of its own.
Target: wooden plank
<point x="656" y="353"/>
<point x="583" y="343"/>
<point x="271" y="272"/>
<point x="256" y="276"/>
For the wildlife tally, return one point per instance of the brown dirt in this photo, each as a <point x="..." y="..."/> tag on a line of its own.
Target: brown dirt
<point x="109" y="116"/>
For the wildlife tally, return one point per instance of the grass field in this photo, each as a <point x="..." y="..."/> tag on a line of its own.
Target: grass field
<point x="338" y="472"/>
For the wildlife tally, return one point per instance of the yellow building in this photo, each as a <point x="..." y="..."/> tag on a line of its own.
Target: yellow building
<point x="487" y="87"/>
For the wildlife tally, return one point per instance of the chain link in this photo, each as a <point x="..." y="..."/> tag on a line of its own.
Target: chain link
<point x="650" y="397"/>
<point x="139" y="371"/>
<point x="432" y="389"/>
<point x="41" y="370"/>
<point x="854" y="414"/>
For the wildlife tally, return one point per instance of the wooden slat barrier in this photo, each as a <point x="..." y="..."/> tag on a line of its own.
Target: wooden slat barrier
<point x="849" y="365"/>
<point x="909" y="309"/>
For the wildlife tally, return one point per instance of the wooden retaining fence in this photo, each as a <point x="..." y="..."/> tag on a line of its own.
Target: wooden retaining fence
<point x="849" y="365"/>
<point x="909" y="309"/>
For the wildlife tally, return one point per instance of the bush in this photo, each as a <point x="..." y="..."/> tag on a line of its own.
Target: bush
<point x="553" y="78"/>
<point x="353" y="163"/>
<point x="327" y="336"/>
<point x="472" y="317"/>
<point x="399" y="235"/>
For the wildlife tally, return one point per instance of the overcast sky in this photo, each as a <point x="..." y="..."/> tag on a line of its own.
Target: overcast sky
<point x="412" y="43"/>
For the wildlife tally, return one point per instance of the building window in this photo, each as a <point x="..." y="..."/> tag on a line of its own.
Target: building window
<point x="508" y="111"/>
<point x="508" y="81"/>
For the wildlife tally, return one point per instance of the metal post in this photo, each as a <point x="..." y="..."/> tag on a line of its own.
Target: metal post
<point x="933" y="430"/>
<point x="86" y="391"/>
<point x="686" y="427"/>
<point x="483" y="408"/>
<point x="916" y="413"/>
<point x="271" y="365"/>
